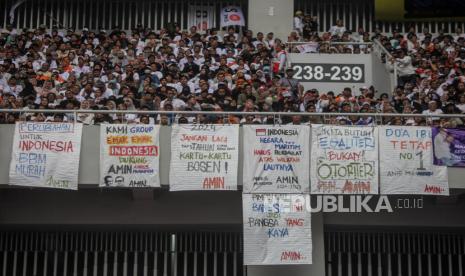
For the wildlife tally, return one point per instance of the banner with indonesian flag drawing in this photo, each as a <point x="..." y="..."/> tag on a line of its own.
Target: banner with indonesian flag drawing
<point x="276" y="159"/>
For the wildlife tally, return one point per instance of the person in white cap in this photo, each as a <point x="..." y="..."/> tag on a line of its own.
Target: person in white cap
<point x="432" y="110"/>
<point x="298" y="25"/>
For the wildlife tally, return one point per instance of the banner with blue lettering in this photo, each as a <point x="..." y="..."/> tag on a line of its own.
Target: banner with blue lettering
<point x="407" y="162"/>
<point x="46" y="155"/>
<point x="276" y="159"/>
<point x="344" y="160"/>
<point x="129" y="155"/>
<point x="204" y="157"/>
<point x="277" y="229"/>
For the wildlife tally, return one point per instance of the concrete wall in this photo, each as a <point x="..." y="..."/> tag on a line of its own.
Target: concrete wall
<point x="376" y="72"/>
<point x="383" y="79"/>
<point x="336" y="59"/>
<point x="271" y="16"/>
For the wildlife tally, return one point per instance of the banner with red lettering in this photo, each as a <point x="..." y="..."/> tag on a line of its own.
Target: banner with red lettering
<point x="344" y="160"/>
<point x="129" y="155"/>
<point x="276" y="159"/>
<point x="277" y="229"/>
<point x="204" y="157"/>
<point x="46" y="155"/>
<point x="406" y="162"/>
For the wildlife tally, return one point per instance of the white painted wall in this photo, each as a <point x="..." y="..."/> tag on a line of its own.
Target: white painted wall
<point x="271" y="16"/>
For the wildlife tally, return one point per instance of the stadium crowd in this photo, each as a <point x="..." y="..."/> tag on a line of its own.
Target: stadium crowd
<point x="175" y="70"/>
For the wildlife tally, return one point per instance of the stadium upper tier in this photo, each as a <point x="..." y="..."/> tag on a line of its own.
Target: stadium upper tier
<point x="231" y="70"/>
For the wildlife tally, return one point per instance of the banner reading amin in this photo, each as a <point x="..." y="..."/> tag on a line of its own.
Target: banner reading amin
<point x="204" y="157"/>
<point x="344" y="160"/>
<point x="406" y="162"/>
<point x="46" y="155"/>
<point x="277" y="229"/>
<point x="129" y="155"/>
<point x="276" y="159"/>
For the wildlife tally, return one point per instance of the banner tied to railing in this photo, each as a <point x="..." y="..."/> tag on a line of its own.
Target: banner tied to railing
<point x="129" y="155"/>
<point x="277" y="159"/>
<point x="46" y="155"/>
<point x="204" y="157"/>
<point x="344" y="160"/>
<point x="406" y="162"/>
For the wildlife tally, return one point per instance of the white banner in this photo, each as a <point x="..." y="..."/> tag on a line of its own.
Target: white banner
<point x="203" y="17"/>
<point x="204" y="157"/>
<point x="232" y="16"/>
<point x="276" y="159"/>
<point x="129" y="155"/>
<point x="46" y="155"/>
<point x="345" y="160"/>
<point x="277" y="229"/>
<point x="406" y="162"/>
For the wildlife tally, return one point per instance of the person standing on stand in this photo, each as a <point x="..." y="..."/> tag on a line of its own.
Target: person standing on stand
<point x="279" y="61"/>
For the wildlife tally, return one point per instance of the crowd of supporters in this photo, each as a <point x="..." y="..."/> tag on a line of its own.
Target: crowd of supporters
<point x="305" y="37"/>
<point x="234" y="70"/>
<point x="431" y="72"/>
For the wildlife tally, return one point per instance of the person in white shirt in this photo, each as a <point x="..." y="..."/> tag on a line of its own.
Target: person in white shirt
<point x="432" y="110"/>
<point x="338" y="29"/>
<point x="177" y="104"/>
<point x="458" y="33"/>
<point x="81" y="68"/>
<point x="298" y="25"/>
<point x="12" y="87"/>
<point x="405" y="69"/>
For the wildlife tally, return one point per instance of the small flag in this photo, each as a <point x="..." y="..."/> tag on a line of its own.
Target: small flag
<point x="260" y="132"/>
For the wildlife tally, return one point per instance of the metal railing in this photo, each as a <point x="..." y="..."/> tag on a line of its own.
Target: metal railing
<point x="291" y="44"/>
<point x="332" y="42"/>
<point x="75" y="112"/>
<point x="379" y="48"/>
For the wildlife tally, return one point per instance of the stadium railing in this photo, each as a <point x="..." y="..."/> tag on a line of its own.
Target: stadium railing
<point x="224" y="114"/>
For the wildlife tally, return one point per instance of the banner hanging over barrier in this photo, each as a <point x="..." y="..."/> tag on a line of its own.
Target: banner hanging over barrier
<point x="277" y="229"/>
<point x="204" y="157"/>
<point x="407" y="162"/>
<point x="129" y="155"/>
<point x="276" y="159"/>
<point x="449" y="147"/>
<point x="46" y="155"/>
<point x="344" y="160"/>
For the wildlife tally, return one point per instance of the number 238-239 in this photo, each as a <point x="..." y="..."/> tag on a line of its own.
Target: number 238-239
<point x="337" y="73"/>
